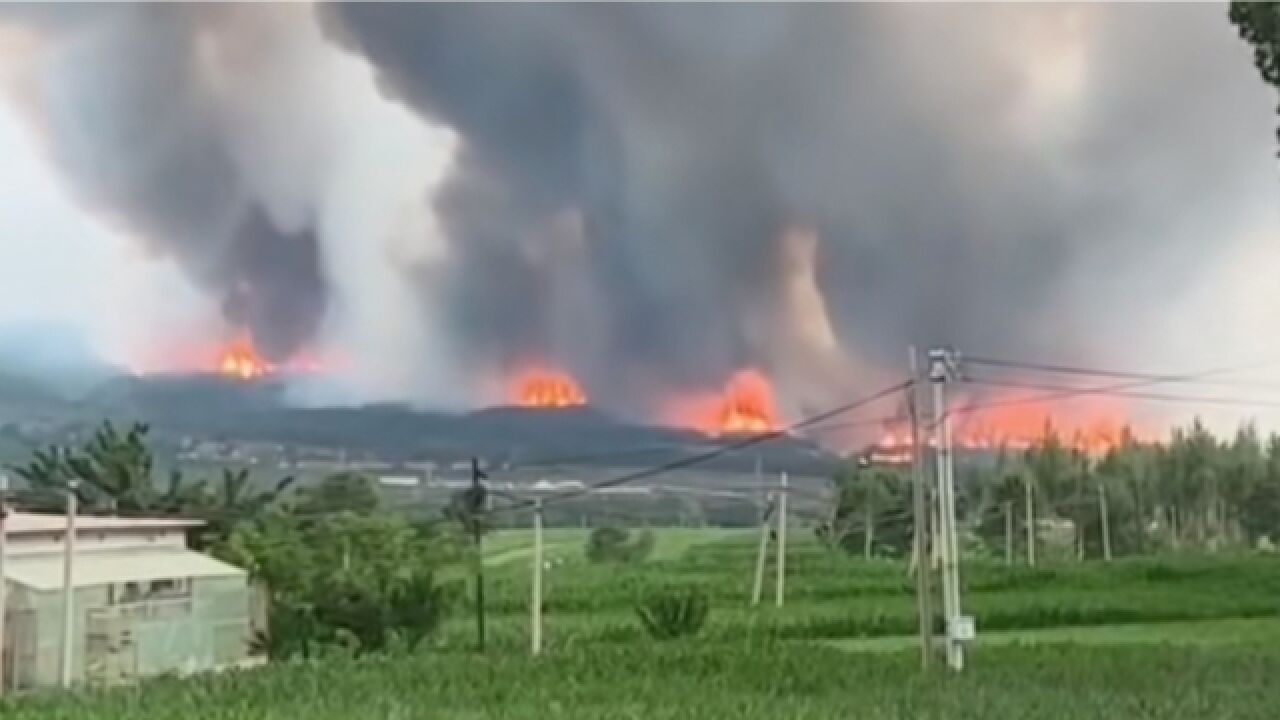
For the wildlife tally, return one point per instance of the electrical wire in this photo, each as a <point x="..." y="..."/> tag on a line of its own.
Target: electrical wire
<point x="734" y="446"/>
<point x="1126" y="385"/>
<point x="1121" y="374"/>
<point x="1159" y="397"/>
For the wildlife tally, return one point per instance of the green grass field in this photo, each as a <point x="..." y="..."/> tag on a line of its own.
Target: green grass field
<point x="1186" y="637"/>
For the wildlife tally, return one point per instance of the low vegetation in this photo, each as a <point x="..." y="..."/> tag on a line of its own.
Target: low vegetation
<point x="673" y="612"/>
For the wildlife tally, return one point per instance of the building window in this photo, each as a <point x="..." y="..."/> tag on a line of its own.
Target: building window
<point x="169" y="589"/>
<point x="131" y="593"/>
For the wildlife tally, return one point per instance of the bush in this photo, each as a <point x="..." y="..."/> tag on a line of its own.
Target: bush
<point x="615" y="544"/>
<point x="670" y="613"/>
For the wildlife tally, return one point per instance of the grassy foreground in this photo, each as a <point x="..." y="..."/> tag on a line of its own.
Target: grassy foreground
<point x="714" y="681"/>
<point x="1159" y="638"/>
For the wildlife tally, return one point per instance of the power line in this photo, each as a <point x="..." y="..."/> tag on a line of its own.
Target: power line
<point x="1127" y="385"/>
<point x="726" y="449"/>
<point x="1119" y="374"/>
<point x="1160" y="397"/>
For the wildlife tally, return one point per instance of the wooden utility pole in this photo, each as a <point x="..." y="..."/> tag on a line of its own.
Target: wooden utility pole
<point x="762" y="551"/>
<point x="920" y="521"/>
<point x="1008" y="533"/>
<point x="780" y="590"/>
<point x="535" y="625"/>
<point x="68" y="586"/>
<point x="1031" y="521"/>
<point x="1106" y="524"/>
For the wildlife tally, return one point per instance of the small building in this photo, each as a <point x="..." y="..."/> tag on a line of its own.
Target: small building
<point x="144" y="604"/>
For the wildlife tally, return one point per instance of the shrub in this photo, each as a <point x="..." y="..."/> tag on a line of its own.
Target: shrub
<point x="673" y="612"/>
<point x="615" y="544"/>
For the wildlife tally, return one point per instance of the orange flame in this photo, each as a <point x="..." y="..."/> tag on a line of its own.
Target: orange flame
<point x="240" y="360"/>
<point x="748" y="405"/>
<point x="544" y="388"/>
<point x="1090" y="425"/>
<point x="745" y="406"/>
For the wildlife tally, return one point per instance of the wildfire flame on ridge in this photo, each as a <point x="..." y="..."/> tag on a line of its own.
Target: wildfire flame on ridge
<point x="1092" y="426"/>
<point x="745" y="406"/>
<point x="240" y="360"/>
<point x="545" y="388"/>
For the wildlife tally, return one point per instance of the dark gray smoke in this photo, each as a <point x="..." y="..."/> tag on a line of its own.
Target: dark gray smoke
<point x="130" y="117"/>
<point x="957" y="197"/>
<point x="1019" y="180"/>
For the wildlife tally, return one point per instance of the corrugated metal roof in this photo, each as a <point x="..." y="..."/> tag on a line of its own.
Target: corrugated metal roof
<point x="101" y="567"/>
<point x="21" y="522"/>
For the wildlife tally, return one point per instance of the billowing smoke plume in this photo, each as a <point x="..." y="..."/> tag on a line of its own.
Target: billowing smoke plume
<point x="973" y="174"/>
<point x="133" y="116"/>
<point x="239" y="142"/>
<point x="657" y="195"/>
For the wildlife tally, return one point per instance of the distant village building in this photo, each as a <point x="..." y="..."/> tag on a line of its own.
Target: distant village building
<point x="144" y="604"/>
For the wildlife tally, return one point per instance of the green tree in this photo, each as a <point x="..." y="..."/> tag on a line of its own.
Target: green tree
<point x="871" y="512"/>
<point x="616" y="544"/>
<point x="338" y="493"/>
<point x="1260" y="511"/>
<point x="230" y="503"/>
<point x="361" y="582"/>
<point x="1259" y="25"/>
<point x="114" y="473"/>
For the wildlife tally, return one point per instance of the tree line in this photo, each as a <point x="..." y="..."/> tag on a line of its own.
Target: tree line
<point x="1192" y="491"/>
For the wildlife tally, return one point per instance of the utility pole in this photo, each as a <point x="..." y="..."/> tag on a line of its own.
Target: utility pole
<point x="941" y="367"/>
<point x="535" y="626"/>
<point x="781" y="589"/>
<point x="757" y="586"/>
<point x="68" y="585"/>
<point x="1031" y="520"/>
<point x="920" y="523"/>
<point x="475" y="506"/>
<point x="1008" y="533"/>
<point x="869" y="530"/>
<point x="4" y="583"/>
<point x="1106" y="525"/>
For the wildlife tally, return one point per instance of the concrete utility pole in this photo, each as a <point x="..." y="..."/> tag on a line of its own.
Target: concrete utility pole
<point x="762" y="552"/>
<point x="535" y="631"/>
<point x="68" y="585"/>
<point x="1031" y="521"/>
<point x="1106" y="525"/>
<point x="4" y="583"/>
<point x="941" y="366"/>
<point x="476" y="506"/>
<point x="781" y="588"/>
<point x="920" y="521"/>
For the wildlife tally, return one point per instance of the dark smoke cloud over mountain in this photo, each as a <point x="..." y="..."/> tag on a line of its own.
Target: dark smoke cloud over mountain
<point x="129" y="114"/>
<point x="657" y="195"/>
<point x="959" y="164"/>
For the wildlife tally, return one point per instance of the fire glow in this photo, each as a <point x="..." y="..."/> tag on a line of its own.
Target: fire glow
<point x="1092" y="426"/>
<point x="240" y="360"/>
<point x="543" y="388"/>
<point x="745" y="406"/>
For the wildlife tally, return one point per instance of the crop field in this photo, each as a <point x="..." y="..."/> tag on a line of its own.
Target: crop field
<point x="1175" y="637"/>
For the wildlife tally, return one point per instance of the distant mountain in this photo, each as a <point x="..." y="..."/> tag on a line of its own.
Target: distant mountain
<point x="211" y="406"/>
<point x="57" y="358"/>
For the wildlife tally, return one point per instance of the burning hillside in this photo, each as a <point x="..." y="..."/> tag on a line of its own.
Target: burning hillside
<point x="1019" y="421"/>
<point x="546" y="388"/>
<point x="240" y="360"/>
<point x="745" y="406"/>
